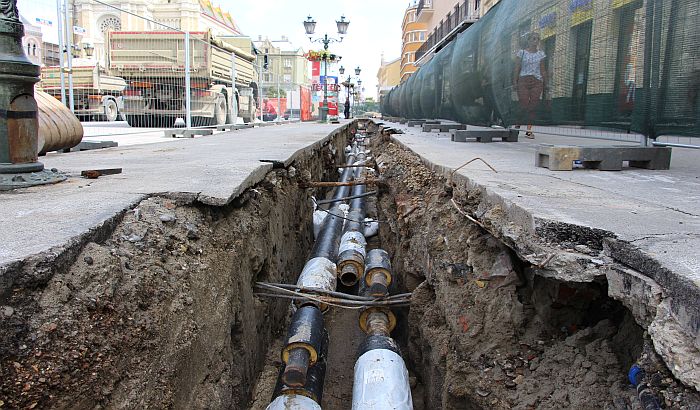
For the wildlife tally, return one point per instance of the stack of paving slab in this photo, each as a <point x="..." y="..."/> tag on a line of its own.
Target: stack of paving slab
<point x="604" y="158"/>
<point x="484" y="134"/>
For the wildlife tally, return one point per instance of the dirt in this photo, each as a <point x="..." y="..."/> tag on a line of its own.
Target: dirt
<point x="484" y="331"/>
<point x="158" y="310"/>
<point x="161" y="314"/>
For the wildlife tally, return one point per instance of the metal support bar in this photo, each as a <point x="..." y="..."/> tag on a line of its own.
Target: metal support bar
<point x="69" y="56"/>
<point x="188" y="96"/>
<point x="59" y="15"/>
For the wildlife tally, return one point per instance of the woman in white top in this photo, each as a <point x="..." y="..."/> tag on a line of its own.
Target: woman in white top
<point x="529" y="78"/>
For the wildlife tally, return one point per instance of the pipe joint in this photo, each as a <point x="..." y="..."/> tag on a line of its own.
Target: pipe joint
<point x="318" y="273"/>
<point x="378" y="321"/>
<point x="351" y="258"/>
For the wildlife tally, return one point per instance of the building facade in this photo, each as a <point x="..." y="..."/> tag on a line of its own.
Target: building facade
<point x="37" y="50"/>
<point x="286" y="64"/>
<point x="388" y="76"/>
<point x="413" y="34"/>
<point x="188" y="15"/>
<point x="444" y="19"/>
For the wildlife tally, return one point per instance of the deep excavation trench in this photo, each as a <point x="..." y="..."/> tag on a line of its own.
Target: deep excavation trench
<point x="156" y="309"/>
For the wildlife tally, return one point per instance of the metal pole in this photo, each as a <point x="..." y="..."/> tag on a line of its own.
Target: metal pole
<point x="324" y="112"/>
<point x="59" y="16"/>
<point x="69" y="48"/>
<point x="233" y="87"/>
<point x="279" y="70"/>
<point x="188" y="96"/>
<point x="648" y="46"/>
<point x="260" y="88"/>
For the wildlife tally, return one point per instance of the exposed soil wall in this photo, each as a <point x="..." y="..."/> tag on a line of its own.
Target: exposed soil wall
<point x="485" y="329"/>
<point x="158" y="310"/>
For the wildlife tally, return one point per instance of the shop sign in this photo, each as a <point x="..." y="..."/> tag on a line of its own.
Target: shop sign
<point x="581" y="11"/>
<point x="548" y="23"/>
<point x="616" y="4"/>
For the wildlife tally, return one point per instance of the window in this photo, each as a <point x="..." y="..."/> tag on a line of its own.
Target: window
<point x="287" y="78"/>
<point x="267" y="77"/>
<point x="110" y="23"/>
<point x="421" y="36"/>
<point x="288" y="63"/>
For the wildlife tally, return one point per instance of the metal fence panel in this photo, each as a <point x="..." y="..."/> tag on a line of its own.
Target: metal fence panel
<point x="630" y="65"/>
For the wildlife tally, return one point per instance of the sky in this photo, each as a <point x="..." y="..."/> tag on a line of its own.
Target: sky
<point x="375" y="27"/>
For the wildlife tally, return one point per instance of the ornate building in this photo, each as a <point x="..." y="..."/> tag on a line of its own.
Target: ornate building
<point x="139" y="15"/>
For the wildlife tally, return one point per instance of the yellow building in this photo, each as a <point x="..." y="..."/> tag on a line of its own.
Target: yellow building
<point x="189" y="15"/>
<point x="388" y="76"/>
<point x="413" y="35"/>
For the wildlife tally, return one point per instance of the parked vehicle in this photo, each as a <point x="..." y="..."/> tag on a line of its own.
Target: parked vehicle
<point x="95" y="93"/>
<point x="153" y="64"/>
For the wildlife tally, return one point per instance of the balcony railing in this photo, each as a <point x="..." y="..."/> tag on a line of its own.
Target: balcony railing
<point x="422" y="4"/>
<point x="459" y="19"/>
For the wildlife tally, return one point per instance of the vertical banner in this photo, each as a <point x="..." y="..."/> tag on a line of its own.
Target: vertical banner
<point x="315" y="69"/>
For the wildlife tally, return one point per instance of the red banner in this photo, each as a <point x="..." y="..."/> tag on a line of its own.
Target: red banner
<point x="315" y="68"/>
<point x="305" y="103"/>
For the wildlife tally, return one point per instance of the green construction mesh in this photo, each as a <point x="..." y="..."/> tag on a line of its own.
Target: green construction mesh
<point x="627" y="64"/>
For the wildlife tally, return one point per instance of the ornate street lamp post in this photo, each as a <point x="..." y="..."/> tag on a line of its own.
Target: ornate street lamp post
<point x="19" y="126"/>
<point x="310" y="28"/>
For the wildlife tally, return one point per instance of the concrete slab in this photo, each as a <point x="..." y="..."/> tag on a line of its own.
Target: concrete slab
<point x="187" y="133"/>
<point x="648" y="220"/>
<point x="429" y="127"/>
<point x="212" y="170"/>
<point x="88" y="145"/>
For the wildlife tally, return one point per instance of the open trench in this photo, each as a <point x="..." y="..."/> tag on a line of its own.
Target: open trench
<point x="157" y="308"/>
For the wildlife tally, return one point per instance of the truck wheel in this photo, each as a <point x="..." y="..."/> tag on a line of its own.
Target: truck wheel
<point x="111" y="110"/>
<point x="220" y="113"/>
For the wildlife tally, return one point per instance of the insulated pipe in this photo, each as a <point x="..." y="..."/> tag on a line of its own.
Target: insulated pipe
<point x="303" y="346"/>
<point x="352" y="250"/>
<point x="313" y="388"/>
<point x="320" y="271"/>
<point x="326" y="245"/>
<point x="377" y="273"/>
<point x="300" y="383"/>
<point x="381" y="377"/>
<point x="293" y="402"/>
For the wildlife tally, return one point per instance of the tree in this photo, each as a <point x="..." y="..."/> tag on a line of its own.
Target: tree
<point x="272" y="93"/>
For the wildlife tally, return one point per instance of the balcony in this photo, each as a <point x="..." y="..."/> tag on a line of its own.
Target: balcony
<point x="424" y="11"/>
<point x="454" y="23"/>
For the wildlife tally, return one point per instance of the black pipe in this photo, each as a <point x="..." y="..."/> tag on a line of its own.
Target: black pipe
<point x="315" y="378"/>
<point x="326" y="245"/>
<point x="377" y="273"/>
<point x="304" y="339"/>
<point x="357" y="204"/>
<point x="331" y="201"/>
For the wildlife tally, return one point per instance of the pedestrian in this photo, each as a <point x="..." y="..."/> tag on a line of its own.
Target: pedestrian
<point x="530" y="79"/>
<point x="347" y="108"/>
<point x="269" y="112"/>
